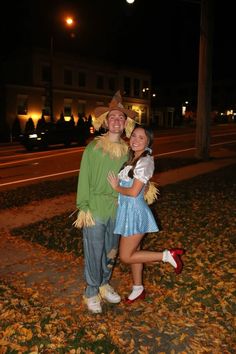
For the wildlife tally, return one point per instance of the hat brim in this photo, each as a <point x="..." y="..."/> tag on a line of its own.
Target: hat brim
<point x="98" y="111"/>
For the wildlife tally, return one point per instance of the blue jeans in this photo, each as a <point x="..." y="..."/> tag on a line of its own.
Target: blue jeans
<point x="100" y="251"/>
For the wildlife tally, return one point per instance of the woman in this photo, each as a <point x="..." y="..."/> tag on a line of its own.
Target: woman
<point x="134" y="217"/>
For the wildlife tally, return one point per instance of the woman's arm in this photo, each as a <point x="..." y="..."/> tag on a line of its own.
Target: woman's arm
<point x="129" y="191"/>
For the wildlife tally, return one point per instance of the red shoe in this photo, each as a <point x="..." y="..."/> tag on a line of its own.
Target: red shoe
<point x="140" y="297"/>
<point x="176" y="253"/>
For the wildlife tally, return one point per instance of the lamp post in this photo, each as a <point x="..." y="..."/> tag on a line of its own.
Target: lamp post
<point x="69" y="22"/>
<point x="51" y="78"/>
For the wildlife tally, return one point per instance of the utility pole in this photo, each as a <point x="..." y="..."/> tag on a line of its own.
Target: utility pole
<point x="204" y="81"/>
<point x="51" y="78"/>
<point x="70" y="23"/>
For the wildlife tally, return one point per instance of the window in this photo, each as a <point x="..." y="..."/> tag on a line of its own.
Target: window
<point x="22" y="104"/>
<point x="146" y="89"/>
<point x="45" y="105"/>
<point x="67" y="107"/>
<point x="136" y="87"/>
<point x="127" y="86"/>
<point x="111" y="84"/>
<point x="144" y="115"/>
<point x="82" y="79"/>
<point x="46" y="73"/>
<point x="100" y="82"/>
<point x="81" y="108"/>
<point x="68" y="77"/>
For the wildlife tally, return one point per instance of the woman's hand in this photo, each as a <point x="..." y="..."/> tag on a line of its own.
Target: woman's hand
<point x="113" y="180"/>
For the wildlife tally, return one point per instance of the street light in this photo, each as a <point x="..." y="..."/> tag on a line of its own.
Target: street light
<point x="69" y="22"/>
<point x="51" y="78"/>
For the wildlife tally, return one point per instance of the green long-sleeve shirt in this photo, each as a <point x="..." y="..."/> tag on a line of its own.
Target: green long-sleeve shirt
<point x="94" y="192"/>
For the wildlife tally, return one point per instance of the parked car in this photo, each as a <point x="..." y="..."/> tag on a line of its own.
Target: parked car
<point x="51" y="135"/>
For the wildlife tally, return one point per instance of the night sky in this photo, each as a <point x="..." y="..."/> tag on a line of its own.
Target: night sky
<point x="115" y="31"/>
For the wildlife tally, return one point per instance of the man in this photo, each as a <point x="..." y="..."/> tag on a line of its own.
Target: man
<point x="97" y="201"/>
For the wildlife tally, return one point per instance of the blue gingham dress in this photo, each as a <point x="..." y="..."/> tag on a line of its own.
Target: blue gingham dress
<point x="133" y="214"/>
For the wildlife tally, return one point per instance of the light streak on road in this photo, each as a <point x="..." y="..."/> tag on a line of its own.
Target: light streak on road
<point x="40" y="157"/>
<point x="38" y="178"/>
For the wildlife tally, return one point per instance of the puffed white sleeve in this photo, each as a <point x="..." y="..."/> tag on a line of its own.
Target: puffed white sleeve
<point x="144" y="169"/>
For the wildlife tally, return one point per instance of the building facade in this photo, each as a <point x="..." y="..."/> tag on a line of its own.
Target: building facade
<point x="36" y="83"/>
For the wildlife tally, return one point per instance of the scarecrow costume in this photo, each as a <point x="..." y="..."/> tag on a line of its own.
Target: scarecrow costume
<point x="92" y="197"/>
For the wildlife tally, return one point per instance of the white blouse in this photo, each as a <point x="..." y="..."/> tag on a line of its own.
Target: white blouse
<point x="143" y="171"/>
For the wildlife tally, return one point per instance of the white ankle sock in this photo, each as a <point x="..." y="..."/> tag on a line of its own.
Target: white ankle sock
<point x="137" y="290"/>
<point x="167" y="257"/>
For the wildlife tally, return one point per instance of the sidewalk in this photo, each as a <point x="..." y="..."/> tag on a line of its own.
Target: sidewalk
<point x="219" y="159"/>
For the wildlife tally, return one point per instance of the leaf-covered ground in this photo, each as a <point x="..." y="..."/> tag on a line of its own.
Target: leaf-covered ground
<point x="193" y="312"/>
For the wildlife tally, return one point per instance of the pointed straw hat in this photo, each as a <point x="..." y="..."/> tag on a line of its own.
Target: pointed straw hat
<point x="101" y="113"/>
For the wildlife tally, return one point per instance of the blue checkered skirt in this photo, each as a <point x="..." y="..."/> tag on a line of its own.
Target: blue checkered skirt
<point x="133" y="214"/>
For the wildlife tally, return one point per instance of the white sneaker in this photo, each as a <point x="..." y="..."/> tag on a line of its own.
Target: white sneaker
<point x="93" y="304"/>
<point x="109" y="294"/>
